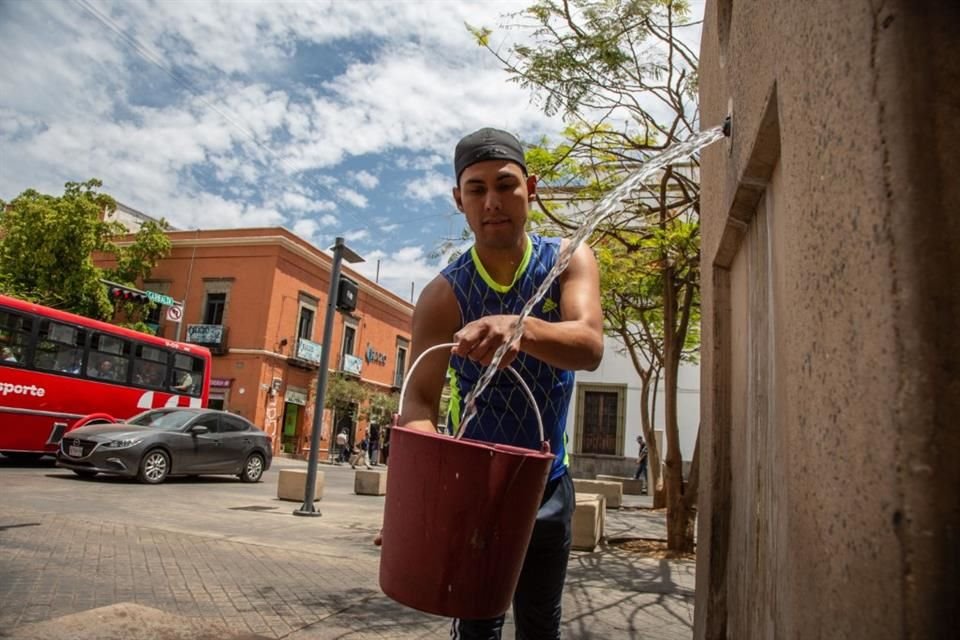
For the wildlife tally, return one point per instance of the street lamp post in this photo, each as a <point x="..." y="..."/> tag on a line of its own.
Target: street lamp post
<point x="340" y="252"/>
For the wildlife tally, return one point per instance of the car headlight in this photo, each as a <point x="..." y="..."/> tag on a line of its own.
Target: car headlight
<point x="122" y="444"/>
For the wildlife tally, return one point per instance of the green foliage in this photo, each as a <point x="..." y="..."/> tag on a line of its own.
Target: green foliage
<point x="47" y="244"/>
<point x="381" y="406"/>
<point x="343" y="391"/>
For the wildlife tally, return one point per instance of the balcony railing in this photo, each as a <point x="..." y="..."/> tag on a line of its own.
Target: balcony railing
<point x="352" y="364"/>
<point x="308" y="352"/>
<point x="212" y="336"/>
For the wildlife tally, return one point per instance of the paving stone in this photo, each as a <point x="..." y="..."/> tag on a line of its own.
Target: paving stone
<point x="68" y="547"/>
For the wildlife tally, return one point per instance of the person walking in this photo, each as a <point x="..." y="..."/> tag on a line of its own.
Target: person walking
<point x="475" y="302"/>
<point x="373" y="443"/>
<point x="342" y="453"/>
<point x="641" y="473"/>
<point x="360" y="453"/>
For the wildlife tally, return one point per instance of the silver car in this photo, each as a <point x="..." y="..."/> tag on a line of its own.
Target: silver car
<point x="162" y="442"/>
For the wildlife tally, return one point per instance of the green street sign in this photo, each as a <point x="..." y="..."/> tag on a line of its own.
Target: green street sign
<point x="159" y="298"/>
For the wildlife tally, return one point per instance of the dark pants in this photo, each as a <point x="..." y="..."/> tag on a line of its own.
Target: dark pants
<point x="536" y="603"/>
<point x="641" y="473"/>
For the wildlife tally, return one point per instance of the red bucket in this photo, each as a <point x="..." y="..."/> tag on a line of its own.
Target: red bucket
<point x="457" y="522"/>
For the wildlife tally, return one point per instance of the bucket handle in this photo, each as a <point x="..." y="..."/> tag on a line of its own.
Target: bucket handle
<point x="463" y="427"/>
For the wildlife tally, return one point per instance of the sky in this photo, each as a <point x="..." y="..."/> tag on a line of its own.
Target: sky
<point x="327" y="118"/>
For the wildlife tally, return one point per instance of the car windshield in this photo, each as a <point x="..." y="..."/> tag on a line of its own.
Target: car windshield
<point x="170" y="420"/>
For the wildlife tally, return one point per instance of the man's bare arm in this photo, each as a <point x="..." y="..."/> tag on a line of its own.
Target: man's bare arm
<point x="435" y="320"/>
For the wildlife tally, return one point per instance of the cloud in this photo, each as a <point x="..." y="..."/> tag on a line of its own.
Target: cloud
<point x="300" y="202"/>
<point x="356" y="235"/>
<point x="356" y="199"/>
<point x="431" y="185"/>
<point x="398" y="270"/>
<point x="366" y="179"/>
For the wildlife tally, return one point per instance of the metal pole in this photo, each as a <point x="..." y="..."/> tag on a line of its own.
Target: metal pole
<point x="308" y="508"/>
<point x="186" y="293"/>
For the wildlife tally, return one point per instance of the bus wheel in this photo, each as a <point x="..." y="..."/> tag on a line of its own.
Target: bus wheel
<point x="83" y="473"/>
<point x="154" y="467"/>
<point x="252" y="468"/>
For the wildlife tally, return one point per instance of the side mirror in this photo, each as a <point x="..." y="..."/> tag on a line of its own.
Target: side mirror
<point x="198" y="430"/>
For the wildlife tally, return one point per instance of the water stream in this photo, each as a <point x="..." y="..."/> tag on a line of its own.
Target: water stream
<point x="610" y="205"/>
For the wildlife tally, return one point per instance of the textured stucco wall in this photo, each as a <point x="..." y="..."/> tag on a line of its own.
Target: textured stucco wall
<point x="831" y="350"/>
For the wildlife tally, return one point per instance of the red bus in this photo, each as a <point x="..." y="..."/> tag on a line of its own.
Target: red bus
<point x="60" y="371"/>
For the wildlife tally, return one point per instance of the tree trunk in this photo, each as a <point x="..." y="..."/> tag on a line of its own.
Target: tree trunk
<point x="679" y="530"/>
<point x="653" y="453"/>
<point x="658" y="490"/>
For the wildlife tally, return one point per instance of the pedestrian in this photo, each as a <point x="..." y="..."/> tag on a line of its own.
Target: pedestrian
<point x="342" y="446"/>
<point x="360" y="453"/>
<point x="474" y="302"/>
<point x="641" y="473"/>
<point x="373" y="443"/>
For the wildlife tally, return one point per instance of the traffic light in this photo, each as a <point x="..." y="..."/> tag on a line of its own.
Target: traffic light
<point x="346" y="294"/>
<point x="123" y="294"/>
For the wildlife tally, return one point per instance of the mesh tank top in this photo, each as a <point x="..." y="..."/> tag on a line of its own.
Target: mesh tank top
<point x="504" y="414"/>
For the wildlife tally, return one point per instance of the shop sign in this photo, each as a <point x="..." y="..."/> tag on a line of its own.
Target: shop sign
<point x="220" y="382"/>
<point x="375" y="356"/>
<point x="295" y="396"/>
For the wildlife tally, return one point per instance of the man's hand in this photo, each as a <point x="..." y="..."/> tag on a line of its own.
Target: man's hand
<point x="480" y="339"/>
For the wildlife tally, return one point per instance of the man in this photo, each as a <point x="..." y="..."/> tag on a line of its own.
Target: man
<point x="104" y="370"/>
<point x="641" y="473"/>
<point x="185" y="384"/>
<point x="342" y="446"/>
<point x="373" y="443"/>
<point x="474" y="302"/>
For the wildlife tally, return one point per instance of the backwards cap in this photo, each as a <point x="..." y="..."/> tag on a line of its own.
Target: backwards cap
<point x="487" y="144"/>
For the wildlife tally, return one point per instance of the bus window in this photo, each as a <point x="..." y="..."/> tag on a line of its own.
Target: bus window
<point x="187" y="374"/>
<point x="14" y="337"/>
<point x="59" y="348"/>
<point x="150" y="367"/>
<point x="109" y="358"/>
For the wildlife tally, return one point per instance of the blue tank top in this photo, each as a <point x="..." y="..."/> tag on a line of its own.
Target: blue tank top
<point x="504" y="413"/>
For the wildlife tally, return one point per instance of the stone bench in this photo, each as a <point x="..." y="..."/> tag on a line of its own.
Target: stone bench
<point x="588" y="521"/>
<point x="370" y="482"/>
<point x="612" y="491"/>
<point x="631" y="486"/>
<point x="293" y="483"/>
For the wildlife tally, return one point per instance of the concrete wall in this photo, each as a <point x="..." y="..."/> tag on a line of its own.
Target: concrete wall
<point x="829" y="505"/>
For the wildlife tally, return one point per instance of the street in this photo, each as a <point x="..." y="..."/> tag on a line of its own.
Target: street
<point x="221" y="558"/>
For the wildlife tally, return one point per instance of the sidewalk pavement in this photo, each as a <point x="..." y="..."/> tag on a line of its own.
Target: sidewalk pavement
<point x="215" y="558"/>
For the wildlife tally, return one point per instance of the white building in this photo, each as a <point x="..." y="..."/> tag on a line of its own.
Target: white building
<point x="604" y="418"/>
<point x="130" y="218"/>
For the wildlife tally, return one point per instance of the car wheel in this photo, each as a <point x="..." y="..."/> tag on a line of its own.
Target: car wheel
<point x="252" y="468"/>
<point x="83" y="473"/>
<point x="154" y="467"/>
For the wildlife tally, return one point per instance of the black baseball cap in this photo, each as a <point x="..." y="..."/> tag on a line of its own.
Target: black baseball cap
<point x="487" y="144"/>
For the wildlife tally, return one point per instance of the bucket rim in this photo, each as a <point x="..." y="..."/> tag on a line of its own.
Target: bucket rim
<point x="493" y="447"/>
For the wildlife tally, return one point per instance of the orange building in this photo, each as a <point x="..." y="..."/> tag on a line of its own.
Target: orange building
<point x="257" y="298"/>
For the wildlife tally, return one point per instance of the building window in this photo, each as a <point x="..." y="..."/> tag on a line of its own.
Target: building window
<point x="402" y="347"/>
<point x="349" y="339"/>
<point x="600" y="417"/>
<point x="213" y="309"/>
<point x="305" y="324"/>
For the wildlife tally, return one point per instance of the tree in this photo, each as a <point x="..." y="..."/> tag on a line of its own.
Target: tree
<point x="47" y="247"/>
<point x="620" y="73"/>
<point x="343" y="392"/>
